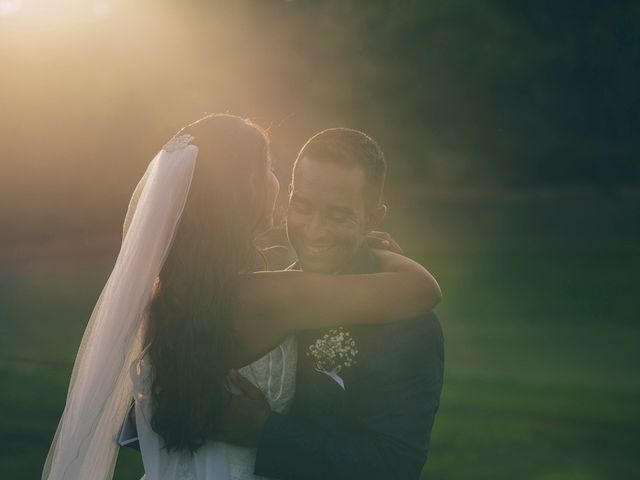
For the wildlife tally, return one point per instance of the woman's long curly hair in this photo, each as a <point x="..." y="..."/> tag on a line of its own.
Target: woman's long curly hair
<point x="189" y="321"/>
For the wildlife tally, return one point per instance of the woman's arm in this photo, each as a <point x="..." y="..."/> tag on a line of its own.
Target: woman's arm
<point x="270" y="305"/>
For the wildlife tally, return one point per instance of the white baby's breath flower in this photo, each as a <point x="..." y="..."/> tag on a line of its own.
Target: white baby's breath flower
<point x="333" y="351"/>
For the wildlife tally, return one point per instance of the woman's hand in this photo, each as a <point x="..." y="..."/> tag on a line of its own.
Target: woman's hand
<point x="246" y="414"/>
<point x="383" y="241"/>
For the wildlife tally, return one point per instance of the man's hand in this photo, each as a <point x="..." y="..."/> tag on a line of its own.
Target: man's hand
<point x="246" y="415"/>
<point x="383" y="241"/>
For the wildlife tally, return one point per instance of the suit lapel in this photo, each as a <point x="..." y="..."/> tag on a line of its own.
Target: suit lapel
<point x="316" y="392"/>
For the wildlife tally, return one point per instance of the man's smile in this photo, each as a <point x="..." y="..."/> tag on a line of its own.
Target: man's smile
<point x="317" y="249"/>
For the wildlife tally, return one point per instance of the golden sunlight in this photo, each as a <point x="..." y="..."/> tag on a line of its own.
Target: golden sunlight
<point x="9" y="7"/>
<point x="99" y="84"/>
<point x="51" y="13"/>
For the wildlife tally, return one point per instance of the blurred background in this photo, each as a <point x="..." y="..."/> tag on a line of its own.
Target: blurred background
<point x="511" y="133"/>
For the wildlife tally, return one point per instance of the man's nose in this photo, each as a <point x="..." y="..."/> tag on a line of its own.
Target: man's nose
<point x="315" y="229"/>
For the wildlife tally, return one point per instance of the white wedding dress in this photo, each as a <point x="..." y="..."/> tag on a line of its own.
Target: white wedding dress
<point x="110" y="367"/>
<point x="274" y="374"/>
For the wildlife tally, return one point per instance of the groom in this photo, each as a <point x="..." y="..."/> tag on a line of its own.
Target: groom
<point x="372" y="419"/>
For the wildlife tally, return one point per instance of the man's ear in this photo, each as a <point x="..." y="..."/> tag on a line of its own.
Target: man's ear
<point x="375" y="217"/>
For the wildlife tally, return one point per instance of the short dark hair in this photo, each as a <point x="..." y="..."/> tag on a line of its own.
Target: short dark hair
<point x="349" y="146"/>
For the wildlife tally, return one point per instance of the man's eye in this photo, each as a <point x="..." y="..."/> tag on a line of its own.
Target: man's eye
<point x="339" y="217"/>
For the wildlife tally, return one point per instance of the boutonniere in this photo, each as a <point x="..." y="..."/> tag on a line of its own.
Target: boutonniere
<point x="334" y="351"/>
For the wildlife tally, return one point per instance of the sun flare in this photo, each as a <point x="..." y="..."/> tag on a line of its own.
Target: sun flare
<point x="9" y="7"/>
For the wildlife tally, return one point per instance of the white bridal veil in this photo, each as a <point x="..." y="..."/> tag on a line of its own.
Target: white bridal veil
<point x="100" y="390"/>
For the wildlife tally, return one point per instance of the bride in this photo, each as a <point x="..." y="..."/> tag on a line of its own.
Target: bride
<point x="183" y="305"/>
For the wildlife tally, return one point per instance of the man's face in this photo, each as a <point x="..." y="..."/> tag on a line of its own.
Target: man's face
<point x="327" y="219"/>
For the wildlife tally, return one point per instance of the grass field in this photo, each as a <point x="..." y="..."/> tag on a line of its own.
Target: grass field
<point x="540" y="317"/>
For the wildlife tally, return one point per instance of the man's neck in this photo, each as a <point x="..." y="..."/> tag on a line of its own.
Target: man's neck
<point x="362" y="261"/>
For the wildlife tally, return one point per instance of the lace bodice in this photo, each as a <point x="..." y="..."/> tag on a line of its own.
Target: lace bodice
<point x="274" y="374"/>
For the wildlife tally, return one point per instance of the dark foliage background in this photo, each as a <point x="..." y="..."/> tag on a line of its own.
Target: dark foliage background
<point x="510" y="128"/>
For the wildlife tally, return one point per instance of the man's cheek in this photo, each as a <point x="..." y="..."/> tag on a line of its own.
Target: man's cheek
<point x="294" y="228"/>
<point x="346" y="238"/>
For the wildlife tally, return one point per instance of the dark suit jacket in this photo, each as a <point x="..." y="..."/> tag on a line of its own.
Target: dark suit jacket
<point x="379" y="426"/>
